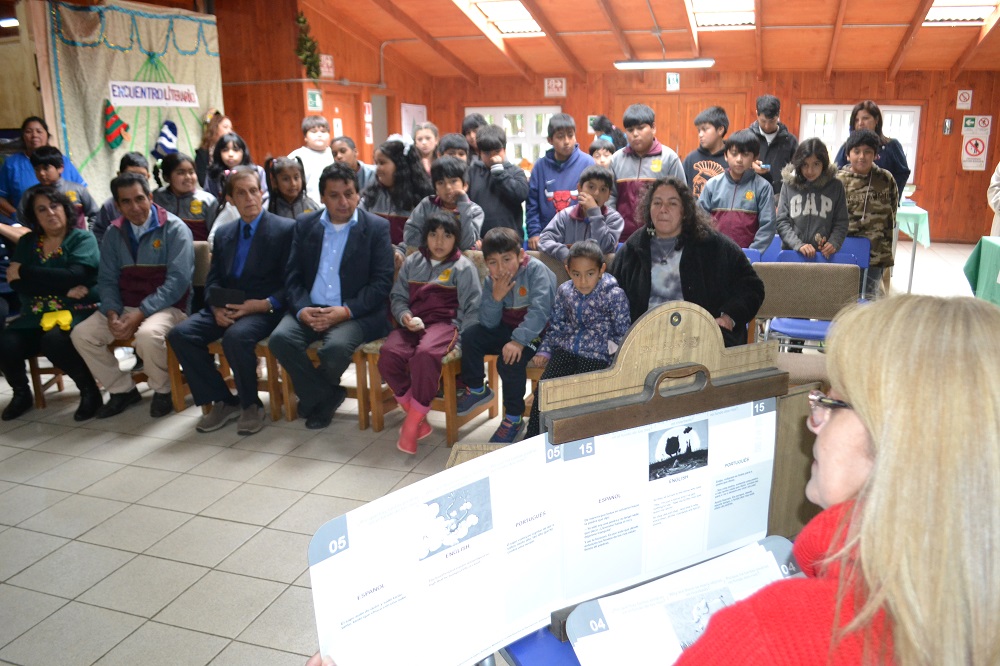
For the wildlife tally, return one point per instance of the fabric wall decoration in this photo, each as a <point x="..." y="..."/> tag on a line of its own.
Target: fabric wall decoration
<point x="148" y="65"/>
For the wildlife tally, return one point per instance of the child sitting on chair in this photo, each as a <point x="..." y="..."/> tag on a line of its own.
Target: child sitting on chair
<point x="589" y="321"/>
<point x="435" y="298"/>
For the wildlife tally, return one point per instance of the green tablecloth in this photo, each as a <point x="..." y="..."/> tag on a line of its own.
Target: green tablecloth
<point x="912" y="221"/>
<point x="983" y="267"/>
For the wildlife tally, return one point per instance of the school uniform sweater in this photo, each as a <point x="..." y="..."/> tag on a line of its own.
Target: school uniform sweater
<point x="572" y="225"/>
<point x="553" y="187"/>
<point x="448" y="292"/>
<point x="83" y="204"/>
<point x="302" y="204"/>
<point x="700" y="166"/>
<point x="810" y="211"/>
<point x="792" y="622"/>
<point x="871" y="207"/>
<point x="152" y="272"/>
<point x="526" y="307"/>
<point x="468" y="214"/>
<point x="196" y="209"/>
<point x="584" y="324"/>
<point x="500" y="190"/>
<point x="633" y="173"/>
<point x="378" y="200"/>
<point x="742" y="210"/>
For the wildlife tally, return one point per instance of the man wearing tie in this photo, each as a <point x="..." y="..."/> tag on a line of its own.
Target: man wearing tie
<point x="247" y="257"/>
<point x="339" y="277"/>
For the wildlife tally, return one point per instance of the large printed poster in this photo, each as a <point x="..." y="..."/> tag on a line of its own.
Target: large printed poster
<point x="119" y="71"/>
<point x="447" y="570"/>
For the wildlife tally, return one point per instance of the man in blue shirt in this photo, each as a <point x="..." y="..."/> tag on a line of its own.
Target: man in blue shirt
<point x="245" y="296"/>
<point x="337" y="285"/>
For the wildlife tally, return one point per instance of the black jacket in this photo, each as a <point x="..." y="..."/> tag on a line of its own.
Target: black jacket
<point x="778" y="154"/>
<point x="715" y="274"/>
<point x="500" y="195"/>
<point x="263" y="273"/>
<point x="365" y="271"/>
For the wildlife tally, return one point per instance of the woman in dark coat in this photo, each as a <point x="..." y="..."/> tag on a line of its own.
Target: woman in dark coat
<point x="681" y="258"/>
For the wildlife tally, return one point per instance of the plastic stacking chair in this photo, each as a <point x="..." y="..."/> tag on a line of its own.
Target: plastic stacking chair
<point x="771" y="253"/>
<point x="752" y="255"/>
<point x="801" y="298"/>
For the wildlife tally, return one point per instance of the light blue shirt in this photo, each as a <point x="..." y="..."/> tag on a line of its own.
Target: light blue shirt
<point x="326" y="286"/>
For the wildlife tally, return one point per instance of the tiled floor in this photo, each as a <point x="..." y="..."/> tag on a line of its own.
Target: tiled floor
<point x="133" y="541"/>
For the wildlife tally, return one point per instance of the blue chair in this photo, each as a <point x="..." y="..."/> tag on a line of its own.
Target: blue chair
<point x="752" y="255"/>
<point x="771" y="253"/>
<point x="861" y="249"/>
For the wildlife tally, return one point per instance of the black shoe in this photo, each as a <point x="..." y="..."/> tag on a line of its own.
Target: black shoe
<point x="139" y="366"/>
<point x="90" y="401"/>
<point x="118" y="403"/>
<point x="322" y="415"/>
<point x="20" y="403"/>
<point x="161" y="405"/>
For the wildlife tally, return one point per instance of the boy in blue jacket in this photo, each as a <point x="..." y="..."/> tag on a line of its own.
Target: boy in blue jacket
<point x="515" y="307"/>
<point x="553" y="182"/>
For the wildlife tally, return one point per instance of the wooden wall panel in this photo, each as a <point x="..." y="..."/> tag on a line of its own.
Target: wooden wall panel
<point x="262" y="95"/>
<point x="265" y="86"/>
<point x="955" y="199"/>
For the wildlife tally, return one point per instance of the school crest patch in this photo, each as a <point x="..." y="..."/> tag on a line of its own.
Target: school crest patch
<point x="748" y="196"/>
<point x="196" y="207"/>
<point x="71" y="195"/>
<point x="656" y="165"/>
<point x="523" y="291"/>
<point x="445" y="275"/>
<point x="157" y="243"/>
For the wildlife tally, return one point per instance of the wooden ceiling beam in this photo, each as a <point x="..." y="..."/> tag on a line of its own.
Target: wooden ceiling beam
<point x="989" y="25"/>
<point x="616" y="29"/>
<point x="911" y="32"/>
<point x="553" y="36"/>
<point x="495" y="36"/>
<point x="759" y="38"/>
<point x="399" y="16"/>
<point x="692" y="28"/>
<point x="837" y="27"/>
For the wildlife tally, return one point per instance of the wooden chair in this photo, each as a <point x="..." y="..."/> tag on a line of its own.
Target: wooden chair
<point x="271" y="384"/>
<point x="39" y="386"/>
<point x="450" y="370"/>
<point x="447" y="403"/>
<point x="360" y="392"/>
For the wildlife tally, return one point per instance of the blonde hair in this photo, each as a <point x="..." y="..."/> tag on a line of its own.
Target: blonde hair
<point x="923" y="375"/>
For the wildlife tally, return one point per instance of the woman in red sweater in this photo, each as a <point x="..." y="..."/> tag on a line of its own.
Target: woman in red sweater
<point x="902" y="566"/>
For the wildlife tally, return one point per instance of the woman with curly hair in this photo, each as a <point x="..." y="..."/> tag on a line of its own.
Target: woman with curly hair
<point x="680" y="257"/>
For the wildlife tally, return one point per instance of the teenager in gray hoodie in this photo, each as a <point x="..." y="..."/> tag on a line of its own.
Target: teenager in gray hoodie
<point x="812" y="206"/>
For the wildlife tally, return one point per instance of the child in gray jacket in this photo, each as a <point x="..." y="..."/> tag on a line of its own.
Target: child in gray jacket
<point x="589" y="219"/>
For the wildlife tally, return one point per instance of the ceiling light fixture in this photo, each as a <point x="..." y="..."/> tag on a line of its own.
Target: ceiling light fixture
<point x="693" y="63"/>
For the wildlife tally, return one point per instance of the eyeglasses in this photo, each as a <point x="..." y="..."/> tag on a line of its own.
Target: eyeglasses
<point x="820" y="407"/>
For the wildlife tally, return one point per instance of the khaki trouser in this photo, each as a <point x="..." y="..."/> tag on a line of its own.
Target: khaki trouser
<point x="92" y="337"/>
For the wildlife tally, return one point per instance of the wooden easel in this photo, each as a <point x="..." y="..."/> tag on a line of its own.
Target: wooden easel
<point x="658" y="356"/>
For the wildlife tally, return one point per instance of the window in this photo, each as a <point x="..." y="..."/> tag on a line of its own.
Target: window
<point x="830" y="124"/>
<point x="510" y="17"/>
<point x="526" y="127"/>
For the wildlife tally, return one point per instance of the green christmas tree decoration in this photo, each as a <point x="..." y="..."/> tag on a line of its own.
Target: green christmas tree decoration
<point x="115" y="129"/>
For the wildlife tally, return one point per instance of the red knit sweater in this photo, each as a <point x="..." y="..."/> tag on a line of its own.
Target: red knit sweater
<point x="790" y="621"/>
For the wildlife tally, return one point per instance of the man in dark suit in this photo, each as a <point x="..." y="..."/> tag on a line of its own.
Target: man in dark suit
<point x="338" y="281"/>
<point x="248" y="256"/>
